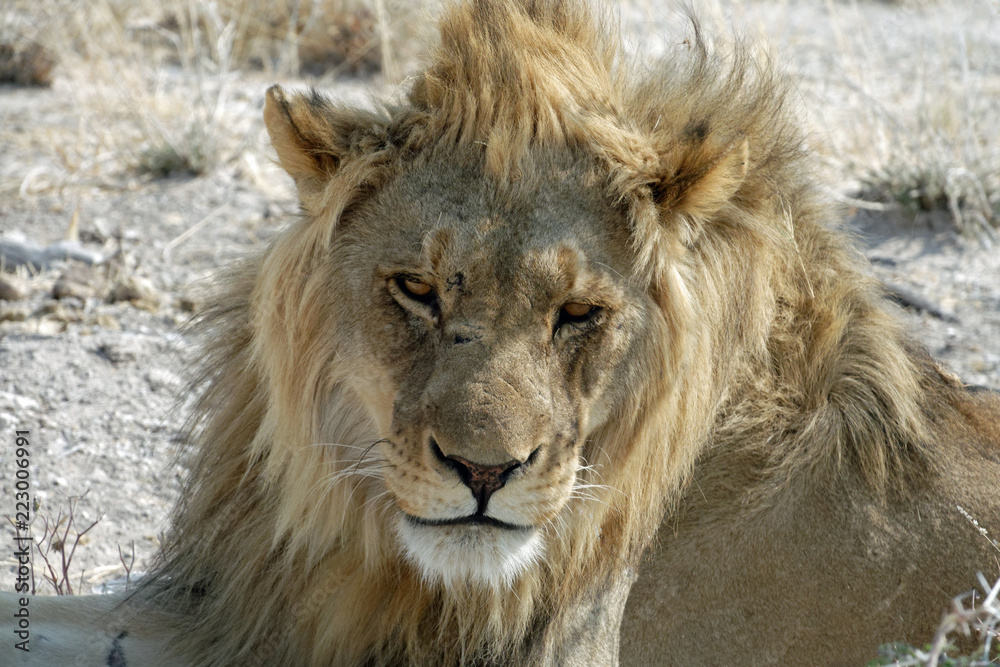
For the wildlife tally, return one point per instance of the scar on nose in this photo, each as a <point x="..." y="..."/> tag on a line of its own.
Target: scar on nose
<point x="456" y="280"/>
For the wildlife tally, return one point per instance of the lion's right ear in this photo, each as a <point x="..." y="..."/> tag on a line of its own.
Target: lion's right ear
<point x="701" y="175"/>
<point x="305" y="136"/>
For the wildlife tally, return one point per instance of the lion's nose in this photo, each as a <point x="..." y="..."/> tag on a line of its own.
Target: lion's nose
<point x="483" y="480"/>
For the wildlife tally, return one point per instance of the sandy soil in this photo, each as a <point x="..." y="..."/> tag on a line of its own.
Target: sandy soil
<point x="100" y="385"/>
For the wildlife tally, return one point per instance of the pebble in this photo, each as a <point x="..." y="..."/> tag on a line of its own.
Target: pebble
<point x="17" y="403"/>
<point x="60" y="312"/>
<point x="79" y="281"/>
<point x="119" y="352"/>
<point x="9" y="422"/>
<point x="14" y="313"/>
<point x="137" y="291"/>
<point x="12" y="288"/>
<point x="161" y="378"/>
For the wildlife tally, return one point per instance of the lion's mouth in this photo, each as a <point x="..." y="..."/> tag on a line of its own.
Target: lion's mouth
<point x="473" y="548"/>
<point x="470" y="520"/>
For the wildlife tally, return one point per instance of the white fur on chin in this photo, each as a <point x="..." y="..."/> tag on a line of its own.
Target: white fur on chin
<point x="458" y="555"/>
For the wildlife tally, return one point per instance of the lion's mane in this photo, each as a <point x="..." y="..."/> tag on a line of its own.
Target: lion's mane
<point x="281" y="552"/>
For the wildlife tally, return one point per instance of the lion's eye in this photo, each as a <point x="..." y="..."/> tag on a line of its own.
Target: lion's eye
<point x="575" y="313"/>
<point x="415" y="289"/>
<point x="578" y="311"/>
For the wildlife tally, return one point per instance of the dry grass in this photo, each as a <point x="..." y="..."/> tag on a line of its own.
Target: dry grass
<point x="976" y="613"/>
<point x="972" y="614"/>
<point x="55" y="547"/>
<point x="902" y="98"/>
<point x="287" y="37"/>
<point x="23" y="60"/>
<point x="946" y="159"/>
<point x="155" y="81"/>
<point x="923" y="137"/>
<point x="162" y="119"/>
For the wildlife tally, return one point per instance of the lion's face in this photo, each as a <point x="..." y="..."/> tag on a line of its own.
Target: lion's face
<point x="492" y="331"/>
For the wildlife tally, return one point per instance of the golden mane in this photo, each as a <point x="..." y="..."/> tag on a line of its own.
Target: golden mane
<point x="701" y="152"/>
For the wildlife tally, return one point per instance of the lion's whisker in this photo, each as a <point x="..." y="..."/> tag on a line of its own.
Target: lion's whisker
<point x="371" y="470"/>
<point x="604" y="487"/>
<point x="338" y="444"/>
<point x="374" y="498"/>
<point x="354" y="472"/>
<point x="579" y="496"/>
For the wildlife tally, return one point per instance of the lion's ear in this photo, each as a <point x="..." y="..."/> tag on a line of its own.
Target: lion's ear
<point x="303" y="133"/>
<point x="700" y="178"/>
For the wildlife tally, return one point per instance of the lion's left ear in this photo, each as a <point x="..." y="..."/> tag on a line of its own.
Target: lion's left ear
<point x="304" y="132"/>
<point x="698" y="177"/>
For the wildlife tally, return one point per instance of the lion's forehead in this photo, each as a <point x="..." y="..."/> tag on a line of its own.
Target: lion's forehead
<point x="506" y="261"/>
<point x="453" y="209"/>
<point x="504" y="274"/>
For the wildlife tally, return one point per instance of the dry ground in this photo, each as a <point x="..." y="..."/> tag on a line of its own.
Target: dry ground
<point x="149" y="149"/>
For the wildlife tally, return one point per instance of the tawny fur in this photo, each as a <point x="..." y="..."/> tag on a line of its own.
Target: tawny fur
<point x="764" y="362"/>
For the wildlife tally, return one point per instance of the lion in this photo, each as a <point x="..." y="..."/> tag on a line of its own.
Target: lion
<point x="564" y="363"/>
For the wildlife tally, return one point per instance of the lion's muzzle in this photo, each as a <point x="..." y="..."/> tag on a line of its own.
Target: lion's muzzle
<point x="482" y="479"/>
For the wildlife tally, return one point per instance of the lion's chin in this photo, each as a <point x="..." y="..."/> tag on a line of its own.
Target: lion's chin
<point x="457" y="555"/>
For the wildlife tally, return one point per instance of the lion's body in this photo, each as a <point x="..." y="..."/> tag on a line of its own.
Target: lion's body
<point x="822" y="575"/>
<point x="788" y="549"/>
<point x="528" y="314"/>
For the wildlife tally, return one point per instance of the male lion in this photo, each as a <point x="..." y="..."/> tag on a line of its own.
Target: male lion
<point x="545" y="310"/>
